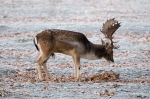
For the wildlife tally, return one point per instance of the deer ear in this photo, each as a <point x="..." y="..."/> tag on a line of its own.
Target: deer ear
<point x="106" y="45"/>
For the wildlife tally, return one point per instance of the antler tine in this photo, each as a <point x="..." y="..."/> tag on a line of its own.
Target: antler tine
<point x="116" y="47"/>
<point x="109" y="27"/>
<point x="115" y="41"/>
<point x="104" y="33"/>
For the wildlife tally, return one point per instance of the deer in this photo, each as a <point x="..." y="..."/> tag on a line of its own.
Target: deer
<point x="74" y="44"/>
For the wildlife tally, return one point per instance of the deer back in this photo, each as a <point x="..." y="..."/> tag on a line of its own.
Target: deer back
<point x="63" y="40"/>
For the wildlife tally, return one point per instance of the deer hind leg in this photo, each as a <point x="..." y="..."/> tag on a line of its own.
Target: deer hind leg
<point x="42" y="62"/>
<point x="76" y="60"/>
<point x="46" y="71"/>
<point x="39" y="69"/>
<point x="45" y="68"/>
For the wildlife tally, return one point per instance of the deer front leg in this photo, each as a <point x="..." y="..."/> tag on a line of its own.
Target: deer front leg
<point x="76" y="60"/>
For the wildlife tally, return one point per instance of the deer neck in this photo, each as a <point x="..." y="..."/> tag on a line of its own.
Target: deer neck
<point x="96" y="51"/>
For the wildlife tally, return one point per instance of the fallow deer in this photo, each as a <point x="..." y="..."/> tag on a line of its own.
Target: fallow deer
<point x="74" y="44"/>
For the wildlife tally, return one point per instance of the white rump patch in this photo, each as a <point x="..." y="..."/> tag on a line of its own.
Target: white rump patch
<point x="39" y="46"/>
<point x="35" y="39"/>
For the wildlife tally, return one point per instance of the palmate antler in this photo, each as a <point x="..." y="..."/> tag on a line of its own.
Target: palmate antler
<point x="109" y="28"/>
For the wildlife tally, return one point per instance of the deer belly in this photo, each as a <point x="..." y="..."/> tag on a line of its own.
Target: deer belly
<point x="90" y="56"/>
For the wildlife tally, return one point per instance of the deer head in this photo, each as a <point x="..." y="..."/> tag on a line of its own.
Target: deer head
<point x="108" y="29"/>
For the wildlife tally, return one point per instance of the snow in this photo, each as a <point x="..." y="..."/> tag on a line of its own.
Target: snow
<point x="21" y="20"/>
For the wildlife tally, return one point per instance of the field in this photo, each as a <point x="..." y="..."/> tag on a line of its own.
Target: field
<point x="127" y="78"/>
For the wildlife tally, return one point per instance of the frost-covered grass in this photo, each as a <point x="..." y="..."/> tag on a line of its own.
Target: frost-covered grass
<point x="21" y="20"/>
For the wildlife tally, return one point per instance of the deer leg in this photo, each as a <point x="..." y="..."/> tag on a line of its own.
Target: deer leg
<point x="46" y="71"/>
<point x="76" y="66"/>
<point x="39" y="69"/>
<point x="42" y="61"/>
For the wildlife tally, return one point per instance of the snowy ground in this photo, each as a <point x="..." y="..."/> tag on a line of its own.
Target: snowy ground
<point x="21" y="20"/>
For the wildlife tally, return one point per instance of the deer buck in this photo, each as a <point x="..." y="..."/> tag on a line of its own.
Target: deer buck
<point x="74" y="44"/>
